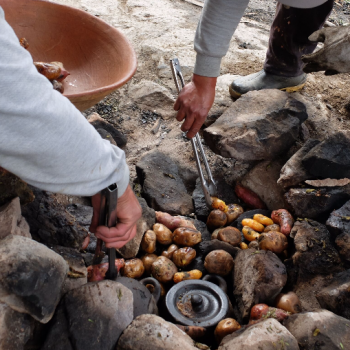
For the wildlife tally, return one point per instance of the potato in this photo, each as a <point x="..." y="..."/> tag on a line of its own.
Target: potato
<point x="216" y="219"/>
<point x="163" y="269"/>
<point x="233" y="212"/>
<point x="249" y="234"/>
<point x="133" y="268"/>
<point x="148" y="243"/>
<point x="148" y="260"/>
<point x="262" y="219"/>
<point x="243" y="245"/>
<point x="172" y="222"/>
<point x="253" y="245"/>
<point x="283" y="218"/>
<point x="230" y="235"/>
<point x="273" y="227"/>
<point x="187" y="236"/>
<point x="288" y="302"/>
<point x="170" y="251"/>
<point x="256" y="226"/>
<point x="274" y="241"/>
<point x="183" y="256"/>
<point x="187" y="275"/>
<point x="218" y="204"/>
<point x="164" y="235"/>
<point x="225" y="327"/>
<point x="214" y="235"/>
<point x="219" y="262"/>
<point x="260" y="311"/>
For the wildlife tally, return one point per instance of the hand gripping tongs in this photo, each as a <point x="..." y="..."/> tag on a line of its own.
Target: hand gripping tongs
<point x="209" y="186"/>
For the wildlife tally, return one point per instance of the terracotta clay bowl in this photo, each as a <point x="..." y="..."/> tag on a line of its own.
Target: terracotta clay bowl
<point x="99" y="57"/>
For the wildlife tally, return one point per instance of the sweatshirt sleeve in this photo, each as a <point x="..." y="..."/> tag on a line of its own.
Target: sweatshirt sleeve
<point x="216" y="26"/>
<point x="44" y="139"/>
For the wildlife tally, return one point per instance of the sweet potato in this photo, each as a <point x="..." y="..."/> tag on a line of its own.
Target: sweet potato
<point x="98" y="272"/>
<point x="194" y="332"/>
<point x="249" y="197"/>
<point x="262" y="219"/>
<point x="233" y="212"/>
<point x="230" y="235"/>
<point x="273" y="227"/>
<point x="218" y="204"/>
<point x="148" y="260"/>
<point x="249" y="234"/>
<point x="184" y="256"/>
<point x="163" y="269"/>
<point x="186" y="236"/>
<point x="148" y="243"/>
<point x="225" y="327"/>
<point x="164" y="235"/>
<point x="283" y="218"/>
<point x="170" y="251"/>
<point x="256" y="226"/>
<point x="133" y="268"/>
<point x="172" y="222"/>
<point x="219" y="262"/>
<point x="216" y="219"/>
<point x="263" y="311"/>
<point x="187" y="275"/>
<point x="288" y="302"/>
<point x="274" y="241"/>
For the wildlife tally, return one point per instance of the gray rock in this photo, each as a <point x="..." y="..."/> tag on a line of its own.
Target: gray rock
<point x="31" y="277"/>
<point x="293" y="172"/>
<point x="330" y="158"/>
<point x="162" y="185"/>
<point x="259" y="126"/>
<point x="316" y="203"/>
<point x="336" y="296"/>
<point x="262" y="180"/>
<point x="339" y="220"/>
<point x="150" y="332"/>
<point x="321" y="330"/>
<point x="259" y="277"/>
<point x="145" y="223"/>
<point x="315" y="253"/>
<point x="97" y="313"/>
<point x="11" y="220"/>
<point x="107" y="136"/>
<point x="266" y="335"/>
<point x="152" y="96"/>
<point x="15" y="328"/>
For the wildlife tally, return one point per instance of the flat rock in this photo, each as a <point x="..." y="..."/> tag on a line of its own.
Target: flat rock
<point x="145" y="223"/>
<point x="15" y="328"/>
<point x="150" y="332"/>
<point x="259" y="126"/>
<point x="259" y="277"/>
<point x="206" y="247"/>
<point x="336" y="296"/>
<point x="162" y="185"/>
<point x="262" y="180"/>
<point x="31" y="277"/>
<point x="330" y="158"/>
<point x="11" y="220"/>
<point x="266" y="335"/>
<point x="339" y="220"/>
<point x="321" y="330"/>
<point x="293" y="172"/>
<point x="152" y="96"/>
<point x="316" y="203"/>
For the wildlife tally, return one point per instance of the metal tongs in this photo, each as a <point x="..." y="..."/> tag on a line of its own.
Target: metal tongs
<point x="209" y="186"/>
<point x="107" y="217"/>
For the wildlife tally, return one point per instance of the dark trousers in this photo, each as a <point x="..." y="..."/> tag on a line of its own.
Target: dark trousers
<point x="289" y="37"/>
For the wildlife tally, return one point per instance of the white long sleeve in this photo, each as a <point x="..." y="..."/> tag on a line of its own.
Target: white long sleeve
<point x="44" y="139"/>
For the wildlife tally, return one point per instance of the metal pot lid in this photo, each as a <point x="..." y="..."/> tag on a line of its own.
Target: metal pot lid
<point x="197" y="303"/>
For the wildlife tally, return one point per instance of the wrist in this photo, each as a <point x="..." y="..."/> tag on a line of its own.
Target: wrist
<point x="209" y="82"/>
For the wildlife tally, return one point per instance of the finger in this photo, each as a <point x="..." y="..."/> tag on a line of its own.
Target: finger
<point x="107" y="234"/>
<point x="180" y="115"/>
<point x="177" y="104"/>
<point x="120" y="243"/>
<point x="319" y="36"/>
<point x="94" y="222"/>
<point x="195" y="127"/>
<point x="186" y="125"/>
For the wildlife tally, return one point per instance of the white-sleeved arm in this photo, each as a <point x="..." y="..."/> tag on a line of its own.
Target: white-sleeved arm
<point x="216" y="26"/>
<point x="44" y="139"/>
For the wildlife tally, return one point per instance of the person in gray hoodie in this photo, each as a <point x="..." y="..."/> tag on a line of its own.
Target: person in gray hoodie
<point x="48" y="143"/>
<point x="294" y="22"/>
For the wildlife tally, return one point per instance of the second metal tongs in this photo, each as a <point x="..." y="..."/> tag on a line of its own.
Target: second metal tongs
<point x="209" y="186"/>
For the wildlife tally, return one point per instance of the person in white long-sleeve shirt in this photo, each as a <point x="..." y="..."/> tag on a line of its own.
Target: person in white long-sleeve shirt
<point x="48" y="143"/>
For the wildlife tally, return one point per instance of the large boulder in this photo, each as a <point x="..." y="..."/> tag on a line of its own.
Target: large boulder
<point x="259" y="126"/>
<point x="31" y="277"/>
<point x="162" y="184"/>
<point x="330" y="158"/>
<point x="321" y="330"/>
<point x="259" y="277"/>
<point x="266" y="335"/>
<point x="150" y="332"/>
<point x="339" y="220"/>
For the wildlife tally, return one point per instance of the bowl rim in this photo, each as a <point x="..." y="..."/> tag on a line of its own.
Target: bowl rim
<point x="133" y="57"/>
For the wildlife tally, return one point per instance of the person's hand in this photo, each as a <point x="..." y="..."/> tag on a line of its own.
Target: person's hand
<point x="194" y="103"/>
<point x="128" y="212"/>
<point x="334" y="57"/>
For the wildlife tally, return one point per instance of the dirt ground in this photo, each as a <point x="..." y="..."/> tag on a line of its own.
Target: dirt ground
<point x="163" y="29"/>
